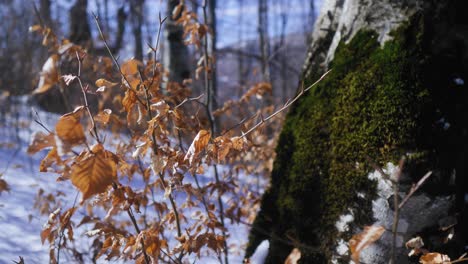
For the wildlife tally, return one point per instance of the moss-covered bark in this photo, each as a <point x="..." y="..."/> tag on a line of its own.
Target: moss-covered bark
<point x="378" y="102"/>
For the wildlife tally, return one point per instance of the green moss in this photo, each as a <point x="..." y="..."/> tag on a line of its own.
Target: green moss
<point x="378" y="102"/>
<point x="363" y="108"/>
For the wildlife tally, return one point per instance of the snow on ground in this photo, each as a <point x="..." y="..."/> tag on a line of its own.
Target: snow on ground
<point x="20" y="223"/>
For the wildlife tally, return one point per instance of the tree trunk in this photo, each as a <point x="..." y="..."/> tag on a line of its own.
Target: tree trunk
<point x="45" y="12"/>
<point x="396" y="88"/>
<point x="175" y="52"/>
<point x="136" y="9"/>
<point x="80" y="32"/>
<point x="263" y="39"/>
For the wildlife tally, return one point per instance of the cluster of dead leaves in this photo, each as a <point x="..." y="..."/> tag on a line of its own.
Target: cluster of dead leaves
<point x="168" y="143"/>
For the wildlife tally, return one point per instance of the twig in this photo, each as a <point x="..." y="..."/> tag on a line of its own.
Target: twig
<point x="186" y="100"/>
<point x="379" y="169"/>
<point x="414" y="188"/>
<point x="93" y="124"/>
<point x="116" y="63"/>
<point x="288" y="104"/>
<point x="155" y="153"/>
<point x="459" y="260"/>
<point x="396" y="213"/>
<point x="135" y="224"/>
<point x="63" y="229"/>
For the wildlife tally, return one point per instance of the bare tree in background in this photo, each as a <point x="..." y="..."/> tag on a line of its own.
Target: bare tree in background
<point x="80" y="31"/>
<point x="240" y="56"/>
<point x="212" y="51"/>
<point x="136" y="10"/>
<point x="175" y="52"/>
<point x="263" y="38"/>
<point x="121" y="18"/>
<point x="44" y="12"/>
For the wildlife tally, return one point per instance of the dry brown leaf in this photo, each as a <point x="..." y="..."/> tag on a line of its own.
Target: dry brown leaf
<point x="130" y="67"/>
<point x="69" y="129"/>
<point x="223" y="146"/>
<point x="434" y="258"/>
<point x="293" y="257"/>
<point x="94" y="171"/>
<point x="103" y="117"/>
<point x="105" y="83"/>
<point x="49" y="75"/>
<point x="158" y="164"/>
<point x="129" y="100"/>
<point x="362" y="240"/>
<point x="47" y="228"/>
<point x="237" y="143"/>
<point x="39" y="141"/>
<point x="415" y="242"/>
<point x="198" y="144"/>
<point x="161" y="108"/>
<point x="4" y="186"/>
<point x="51" y="157"/>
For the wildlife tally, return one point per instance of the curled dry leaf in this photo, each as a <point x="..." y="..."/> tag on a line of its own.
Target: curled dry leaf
<point x="237" y="143"/>
<point x="39" y="141"/>
<point x="51" y="158"/>
<point x="69" y="129"/>
<point x="293" y="257"/>
<point x="223" y="146"/>
<point x="362" y="240"/>
<point x="103" y="117"/>
<point x="198" y="144"/>
<point x="434" y="258"/>
<point x="158" y="164"/>
<point x="49" y="75"/>
<point x="94" y="171"/>
<point x="161" y="108"/>
<point x="415" y="242"/>
<point x="47" y="228"/>
<point x="105" y="83"/>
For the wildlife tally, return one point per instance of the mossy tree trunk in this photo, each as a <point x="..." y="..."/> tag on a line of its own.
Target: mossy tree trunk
<point x="396" y="88"/>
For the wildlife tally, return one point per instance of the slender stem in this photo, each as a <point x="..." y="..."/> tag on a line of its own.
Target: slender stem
<point x="116" y="63"/>
<point x="59" y="247"/>
<point x="155" y="153"/>
<point x="93" y="124"/>
<point x="396" y="213"/>
<point x="285" y="106"/>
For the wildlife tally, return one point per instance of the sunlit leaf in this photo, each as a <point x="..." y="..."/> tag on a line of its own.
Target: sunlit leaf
<point x="293" y="257"/>
<point x="434" y="258"/>
<point x="362" y="240"/>
<point x="49" y="75"/>
<point x="39" y="141"/>
<point x="415" y="242"/>
<point x="198" y="144"/>
<point x="47" y="228"/>
<point x="105" y="83"/>
<point x="69" y="130"/>
<point x="130" y="67"/>
<point x="103" y="117"/>
<point x="94" y="171"/>
<point x="237" y="143"/>
<point x="51" y="158"/>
